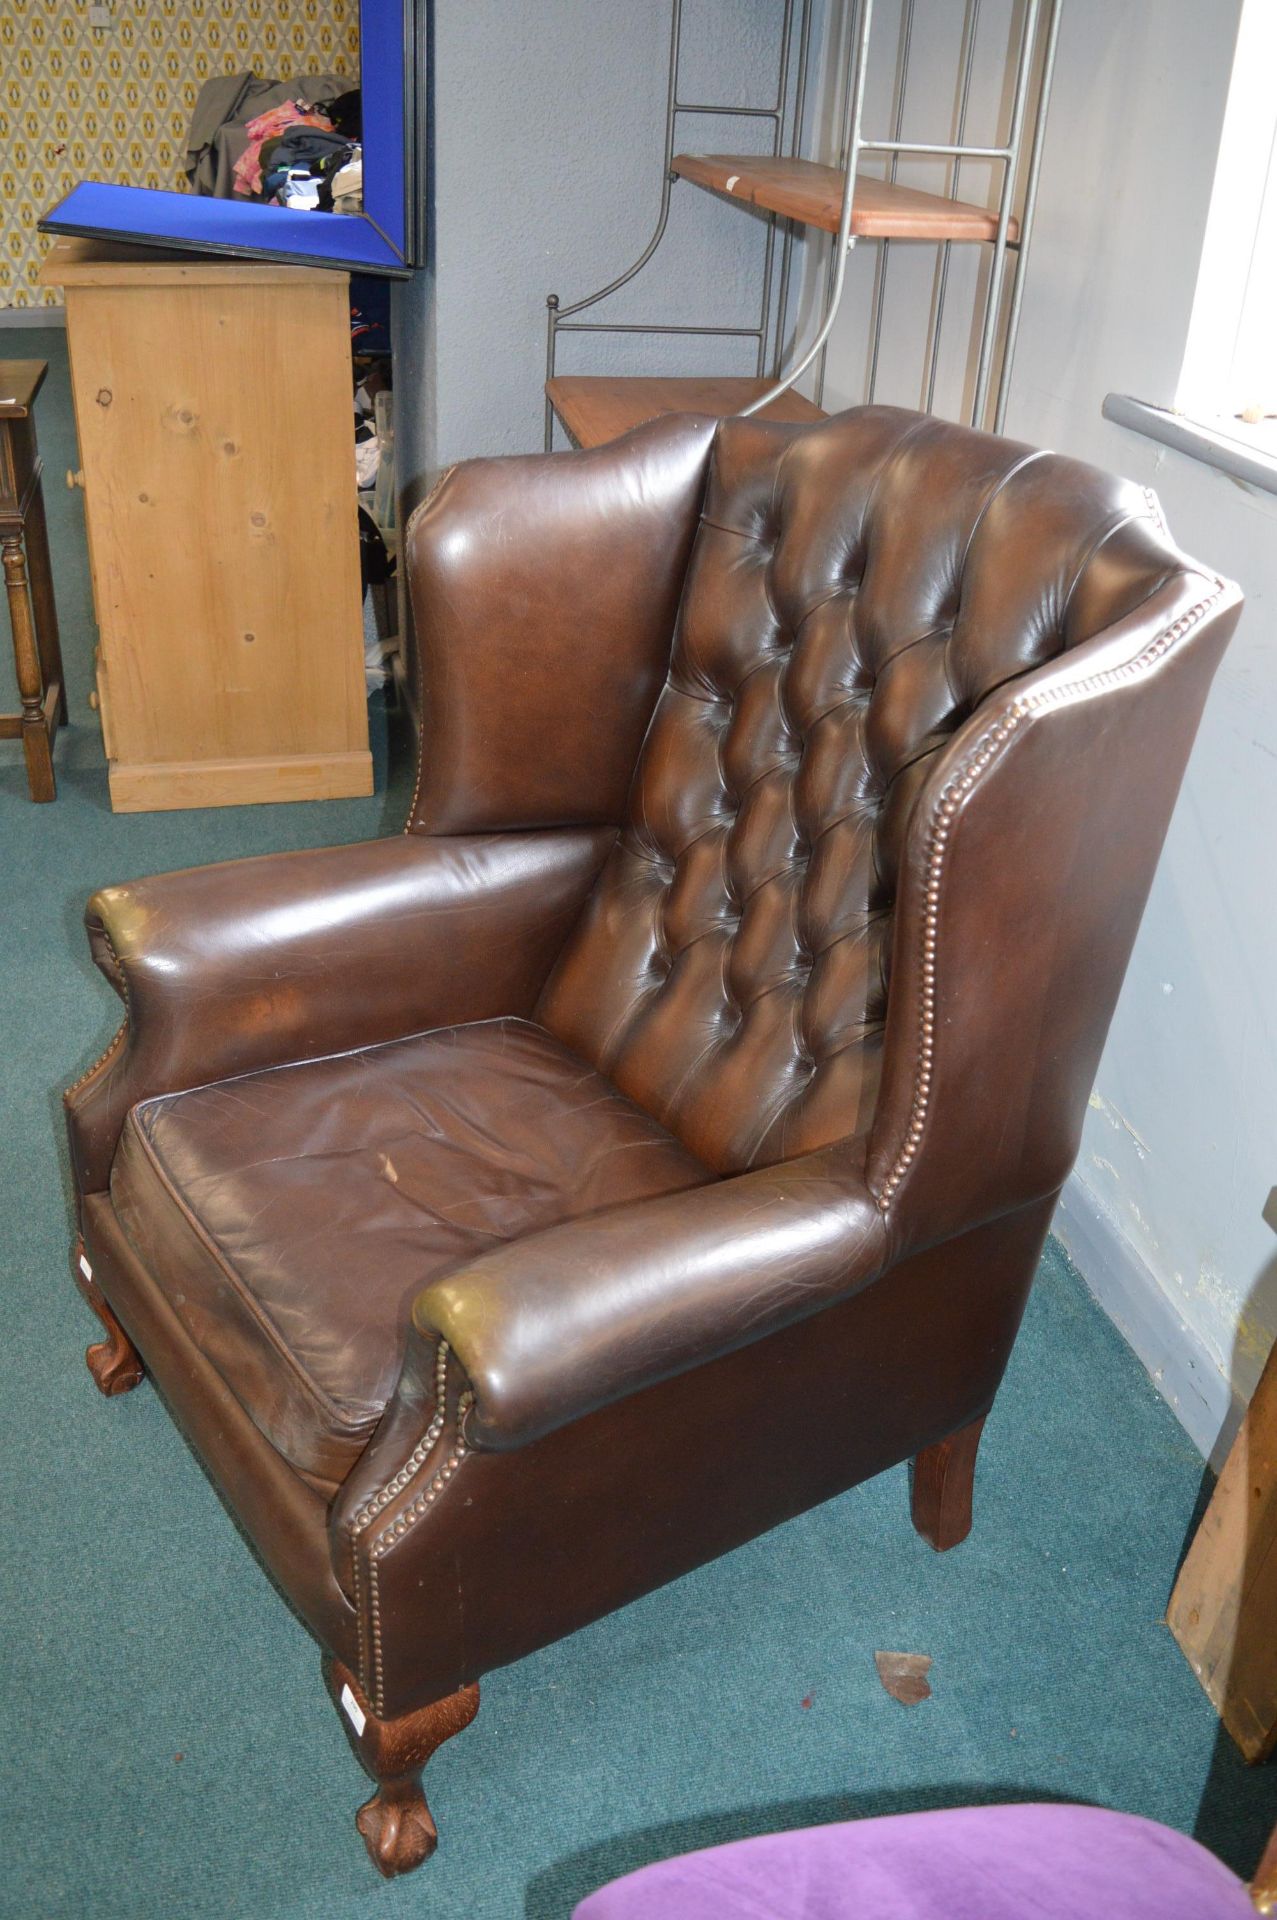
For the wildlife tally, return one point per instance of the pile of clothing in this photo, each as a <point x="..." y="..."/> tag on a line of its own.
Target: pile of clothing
<point x="295" y="143"/>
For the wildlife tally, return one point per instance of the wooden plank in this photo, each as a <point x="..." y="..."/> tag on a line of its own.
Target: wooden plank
<point x="595" y="408"/>
<point x="170" y="784"/>
<point x="102" y="692"/>
<point x="807" y="191"/>
<point x="1223" y="1611"/>
<point x="73" y="262"/>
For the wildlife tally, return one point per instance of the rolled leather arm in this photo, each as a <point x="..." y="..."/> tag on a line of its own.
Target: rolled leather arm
<point x="553" y="1326"/>
<point x="228" y="969"/>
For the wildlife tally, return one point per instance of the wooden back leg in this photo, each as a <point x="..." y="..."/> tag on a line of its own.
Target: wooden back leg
<point x="942" y="1478"/>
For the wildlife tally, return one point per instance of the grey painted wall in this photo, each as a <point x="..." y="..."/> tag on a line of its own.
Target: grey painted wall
<point x="548" y="123"/>
<point x="1180" y="1149"/>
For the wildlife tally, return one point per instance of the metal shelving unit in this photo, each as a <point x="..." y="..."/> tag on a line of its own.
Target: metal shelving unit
<point x="575" y="400"/>
<point x="798" y="193"/>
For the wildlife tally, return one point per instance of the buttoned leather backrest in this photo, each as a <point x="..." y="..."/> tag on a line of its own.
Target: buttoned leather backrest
<point x="855" y="591"/>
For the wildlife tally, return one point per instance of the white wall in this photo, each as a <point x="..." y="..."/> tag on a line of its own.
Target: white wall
<point x="1165" y="1212"/>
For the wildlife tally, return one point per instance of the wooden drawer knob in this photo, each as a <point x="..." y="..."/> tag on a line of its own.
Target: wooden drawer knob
<point x="93" y="699"/>
<point x="75" y="476"/>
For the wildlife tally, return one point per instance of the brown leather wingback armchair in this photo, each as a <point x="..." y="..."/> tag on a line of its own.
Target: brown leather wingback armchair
<point x="661" y="1135"/>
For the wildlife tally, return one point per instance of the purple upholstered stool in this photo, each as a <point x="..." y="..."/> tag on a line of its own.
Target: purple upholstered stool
<point x="974" y="1863"/>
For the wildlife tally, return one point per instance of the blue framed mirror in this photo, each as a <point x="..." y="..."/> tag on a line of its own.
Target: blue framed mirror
<point x="383" y="238"/>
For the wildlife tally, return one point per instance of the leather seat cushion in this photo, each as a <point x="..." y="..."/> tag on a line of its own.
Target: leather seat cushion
<point x="291" y="1216"/>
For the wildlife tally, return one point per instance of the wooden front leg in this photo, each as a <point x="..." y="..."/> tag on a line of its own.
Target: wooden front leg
<point x="398" y="1829"/>
<point x="115" y="1363"/>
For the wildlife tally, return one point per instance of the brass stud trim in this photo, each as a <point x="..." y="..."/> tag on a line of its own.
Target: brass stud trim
<point x="389" y="1537"/>
<point x="122" y="1031"/>
<point x="961" y="783"/>
<point x="404" y="545"/>
<point x="368" y="1618"/>
<point x="101" y="1061"/>
<point x="419" y="1454"/>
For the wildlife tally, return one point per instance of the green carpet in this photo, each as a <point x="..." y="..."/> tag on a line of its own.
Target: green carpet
<point x="168" y="1749"/>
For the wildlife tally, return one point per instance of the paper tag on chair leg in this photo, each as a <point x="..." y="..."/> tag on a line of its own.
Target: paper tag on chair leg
<point x="353" y="1711"/>
<point x="85" y="1268"/>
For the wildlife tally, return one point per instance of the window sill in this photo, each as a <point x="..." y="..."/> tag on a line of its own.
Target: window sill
<point x="1243" y="459"/>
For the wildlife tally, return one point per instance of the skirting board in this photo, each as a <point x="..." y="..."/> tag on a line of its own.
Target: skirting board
<point x="162" y="786"/>
<point x="1125" y="1286"/>
<point x="33" y="317"/>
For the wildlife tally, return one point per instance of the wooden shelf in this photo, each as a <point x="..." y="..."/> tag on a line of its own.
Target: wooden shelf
<point x="596" y="408"/>
<point x="806" y="191"/>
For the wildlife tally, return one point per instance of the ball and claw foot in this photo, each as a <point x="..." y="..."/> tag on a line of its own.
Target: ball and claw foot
<point x="396" y="1823"/>
<point x="397" y="1827"/>
<point x="115" y="1363"/>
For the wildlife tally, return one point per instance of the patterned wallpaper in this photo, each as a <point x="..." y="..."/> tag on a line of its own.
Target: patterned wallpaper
<point x="87" y="103"/>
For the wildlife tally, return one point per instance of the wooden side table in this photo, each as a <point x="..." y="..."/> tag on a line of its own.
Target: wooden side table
<point x="214" y="413"/>
<point x="28" y="579"/>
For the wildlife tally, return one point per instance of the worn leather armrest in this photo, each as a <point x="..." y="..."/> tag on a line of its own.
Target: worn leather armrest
<point x="228" y="969"/>
<point x="555" y="1325"/>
